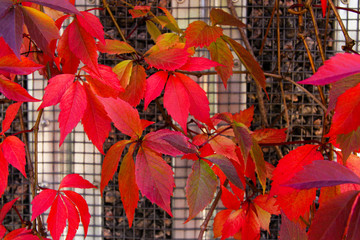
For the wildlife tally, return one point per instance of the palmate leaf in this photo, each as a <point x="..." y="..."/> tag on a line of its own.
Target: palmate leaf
<point x="200" y="188"/>
<point x="92" y="25"/>
<point x="65" y="206"/>
<point x="154" y="178"/>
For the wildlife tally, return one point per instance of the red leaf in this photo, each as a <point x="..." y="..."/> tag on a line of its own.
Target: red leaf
<point x="14" y="91"/>
<point x="168" y="142"/>
<point x="269" y="135"/>
<point x="82" y="207"/>
<point x="125" y="117"/>
<point x="229" y="200"/>
<point x="83" y="45"/>
<point x="352" y="163"/>
<point x="24" y="66"/>
<point x="128" y="188"/>
<point x="219" y="221"/>
<point x="322" y="174"/>
<point x="97" y="124"/>
<point x="176" y="101"/>
<point x="219" y="16"/>
<point x="57" y="218"/>
<point x="346" y="118"/>
<point x="5" y="209"/>
<point x="56" y="88"/>
<point x="220" y="52"/>
<point x="154" y="178"/>
<point x="243" y="138"/>
<point x="198" y="64"/>
<point x="111" y="162"/>
<point x="233" y="223"/>
<point x="139" y="11"/>
<point x="4" y="173"/>
<point x="199" y="103"/>
<point x="167" y="59"/>
<point x="334" y="69"/>
<point x="69" y="61"/>
<point x="106" y="85"/>
<point x="115" y="47"/>
<point x="92" y="25"/>
<point x="42" y="202"/>
<point x="331" y="219"/>
<point x="41" y="27"/>
<point x="324" y="7"/>
<point x="354" y="221"/>
<point x="200" y="188"/>
<point x="135" y="91"/>
<point x="72" y="217"/>
<point x="199" y="34"/>
<point x="21" y="234"/>
<point x="75" y="181"/>
<point x="11" y="113"/>
<point x="339" y="87"/>
<point x="60" y="5"/>
<point x="72" y="106"/>
<point x="14" y="152"/>
<point x="293" y="202"/>
<point x="267" y="203"/>
<point x="291" y="230"/>
<point x="154" y="86"/>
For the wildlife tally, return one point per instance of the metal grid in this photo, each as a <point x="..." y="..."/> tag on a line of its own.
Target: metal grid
<point x="78" y="155"/>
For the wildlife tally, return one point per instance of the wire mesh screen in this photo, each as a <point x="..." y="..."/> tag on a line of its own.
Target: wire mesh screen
<point x="77" y="154"/>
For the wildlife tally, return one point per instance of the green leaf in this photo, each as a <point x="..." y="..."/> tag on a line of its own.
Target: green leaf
<point x="200" y="188"/>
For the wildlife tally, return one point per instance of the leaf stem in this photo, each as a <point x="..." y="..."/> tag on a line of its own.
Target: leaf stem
<point x="209" y="214"/>
<point x="106" y="6"/>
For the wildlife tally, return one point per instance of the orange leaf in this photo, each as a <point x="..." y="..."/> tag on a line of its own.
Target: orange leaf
<point x="199" y="34"/>
<point x="128" y="188"/>
<point x="219" y="16"/>
<point x="115" y="47"/>
<point x="135" y="91"/>
<point x="168" y="59"/>
<point x="111" y="162"/>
